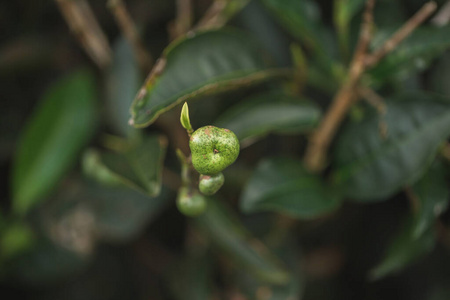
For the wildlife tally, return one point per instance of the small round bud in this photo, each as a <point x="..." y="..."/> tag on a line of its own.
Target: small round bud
<point x="190" y="202"/>
<point x="213" y="149"/>
<point x="210" y="184"/>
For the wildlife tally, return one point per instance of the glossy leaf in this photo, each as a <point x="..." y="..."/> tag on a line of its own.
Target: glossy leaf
<point x="284" y="185"/>
<point x="122" y="82"/>
<point x="372" y="164"/>
<point x="413" y="55"/>
<point x="273" y="113"/>
<point x="403" y="251"/>
<point x="231" y="238"/>
<point x="138" y="167"/>
<point x="61" y="125"/>
<point x="433" y="194"/>
<point x="301" y="19"/>
<point x="205" y="63"/>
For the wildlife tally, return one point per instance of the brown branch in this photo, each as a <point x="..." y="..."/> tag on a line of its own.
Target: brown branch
<point x="129" y="30"/>
<point x="219" y="13"/>
<point x="83" y="24"/>
<point x="443" y="16"/>
<point x="401" y="34"/>
<point x="373" y="99"/>
<point x="413" y="199"/>
<point x="320" y="140"/>
<point x="183" y="21"/>
<point x="445" y="152"/>
<point x="212" y="18"/>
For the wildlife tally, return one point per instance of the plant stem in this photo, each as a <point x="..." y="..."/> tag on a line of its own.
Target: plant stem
<point x="219" y="13"/>
<point x="373" y="99"/>
<point x="442" y="17"/>
<point x="129" y="30"/>
<point x="212" y="16"/>
<point x="183" y="21"/>
<point x="321" y="139"/>
<point x="401" y="34"/>
<point x="446" y="151"/>
<point x="83" y="24"/>
<point x="315" y="157"/>
<point x="413" y="200"/>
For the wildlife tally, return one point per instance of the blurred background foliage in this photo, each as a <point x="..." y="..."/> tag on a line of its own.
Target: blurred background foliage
<point x="87" y="207"/>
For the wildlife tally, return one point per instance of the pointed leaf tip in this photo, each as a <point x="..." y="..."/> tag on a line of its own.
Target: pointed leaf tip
<point x="184" y="118"/>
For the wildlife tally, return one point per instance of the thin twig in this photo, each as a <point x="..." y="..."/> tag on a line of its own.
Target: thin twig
<point x="442" y="17"/>
<point x="320" y="140"/>
<point x="377" y="102"/>
<point x="413" y="199"/>
<point x="373" y="99"/>
<point x="401" y="34"/>
<point x="212" y="18"/>
<point x="446" y="151"/>
<point x="183" y="21"/>
<point x="83" y="24"/>
<point x="219" y="13"/>
<point x="129" y="30"/>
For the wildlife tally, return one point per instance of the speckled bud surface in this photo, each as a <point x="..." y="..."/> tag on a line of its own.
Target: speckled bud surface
<point x="190" y="202"/>
<point x="213" y="149"/>
<point x="210" y="184"/>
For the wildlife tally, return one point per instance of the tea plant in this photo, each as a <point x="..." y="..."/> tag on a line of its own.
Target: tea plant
<point x="301" y="130"/>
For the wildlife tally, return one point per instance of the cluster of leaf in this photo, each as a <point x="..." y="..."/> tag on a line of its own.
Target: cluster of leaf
<point x="375" y="156"/>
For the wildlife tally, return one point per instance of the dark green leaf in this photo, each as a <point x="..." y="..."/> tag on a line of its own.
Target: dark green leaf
<point x="94" y="212"/>
<point x="47" y="264"/>
<point x="265" y="114"/>
<point x="122" y="214"/>
<point x="122" y="83"/>
<point x="433" y="193"/>
<point x="413" y="55"/>
<point x="138" y="167"/>
<point x="440" y="76"/>
<point x="302" y="19"/>
<point x="403" y="251"/>
<point x="283" y="185"/>
<point x="230" y="237"/>
<point x="372" y="164"/>
<point x="205" y="63"/>
<point x="344" y="11"/>
<point x="59" y="128"/>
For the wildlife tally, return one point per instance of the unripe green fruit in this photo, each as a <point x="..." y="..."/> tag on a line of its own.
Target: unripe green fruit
<point x="190" y="202"/>
<point x="210" y="184"/>
<point x="213" y="149"/>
